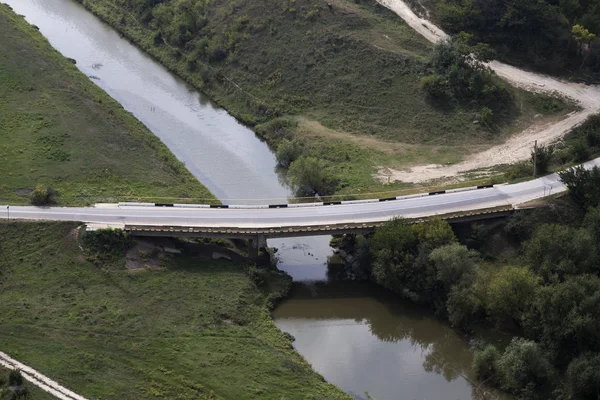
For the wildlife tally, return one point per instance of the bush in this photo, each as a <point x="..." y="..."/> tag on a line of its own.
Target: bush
<point x="106" y="242"/>
<point x="484" y="364"/>
<point x="541" y="157"/>
<point x="15" y="378"/>
<point x="308" y="177"/>
<point x="43" y="195"/>
<point x="434" y="85"/>
<point x="580" y="151"/>
<point x="288" y="151"/>
<point x="583" y="378"/>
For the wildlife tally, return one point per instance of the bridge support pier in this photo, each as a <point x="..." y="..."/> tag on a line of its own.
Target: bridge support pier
<point x="254" y="245"/>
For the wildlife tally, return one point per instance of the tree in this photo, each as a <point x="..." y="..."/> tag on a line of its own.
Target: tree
<point x="565" y="318"/>
<point x="524" y="370"/>
<point x="583" y="378"/>
<point x="583" y="185"/>
<point x="484" y="364"/>
<point x="434" y="232"/>
<point x="43" y="195"/>
<point x="288" y="151"/>
<point x="308" y="176"/>
<point x="556" y="251"/>
<point x="396" y="236"/>
<point x="510" y="292"/>
<point x="583" y="37"/>
<point x="453" y="263"/>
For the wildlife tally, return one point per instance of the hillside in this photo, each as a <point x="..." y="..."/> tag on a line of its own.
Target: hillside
<point x="344" y="80"/>
<point x="59" y="129"/>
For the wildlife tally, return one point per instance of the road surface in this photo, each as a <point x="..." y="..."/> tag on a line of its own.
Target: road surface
<point x="305" y="215"/>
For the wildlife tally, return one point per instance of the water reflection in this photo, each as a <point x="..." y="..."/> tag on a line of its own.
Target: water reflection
<point x="364" y="339"/>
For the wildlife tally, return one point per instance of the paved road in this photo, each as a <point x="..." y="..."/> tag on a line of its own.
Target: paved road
<point x="301" y="215"/>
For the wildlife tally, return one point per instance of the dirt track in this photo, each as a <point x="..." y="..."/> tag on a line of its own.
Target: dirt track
<point x="518" y="147"/>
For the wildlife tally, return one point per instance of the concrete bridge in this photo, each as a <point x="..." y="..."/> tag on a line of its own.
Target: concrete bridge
<point x="257" y="223"/>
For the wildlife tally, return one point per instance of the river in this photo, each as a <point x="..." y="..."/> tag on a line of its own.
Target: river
<point x="356" y="335"/>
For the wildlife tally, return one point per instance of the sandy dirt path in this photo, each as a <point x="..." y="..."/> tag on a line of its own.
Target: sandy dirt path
<point x="37" y="379"/>
<point x="518" y="147"/>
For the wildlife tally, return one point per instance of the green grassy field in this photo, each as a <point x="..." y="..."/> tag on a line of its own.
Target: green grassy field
<point x="57" y="128"/>
<point x="346" y="78"/>
<point x="194" y="330"/>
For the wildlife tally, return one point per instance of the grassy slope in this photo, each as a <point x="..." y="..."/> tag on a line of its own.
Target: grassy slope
<point x="350" y="76"/>
<point x="198" y="329"/>
<point x="58" y="128"/>
<point x="35" y="393"/>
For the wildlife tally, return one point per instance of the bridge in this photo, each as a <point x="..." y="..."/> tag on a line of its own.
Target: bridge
<point x="257" y="223"/>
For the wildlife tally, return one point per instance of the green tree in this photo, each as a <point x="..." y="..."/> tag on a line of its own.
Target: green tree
<point x="454" y="263"/>
<point x="308" y="176"/>
<point x="484" y="364"/>
<point x="288" y="151"/>
<point x="510" y="292"/>
<point x="583" y="378"/>
<point x="583" y="37"/>
<point x="565" y="318"/>
<point x="583" y="185"/>
<point x="556" y="251"/>
<point x="434" y="232"/>
<point x="525" y="371"/>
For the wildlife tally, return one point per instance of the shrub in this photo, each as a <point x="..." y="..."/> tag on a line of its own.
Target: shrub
<point x="308" y="177"/>
<point x="542" y="156"/>
<point x="434" y="85"/>
<point x="486" y="116"/>
<point x="288" y="151"/>
<point x="15" y="378"/>
<point x="43" y="195"/>
<point x="105" y="242"/>
<point x="580" y="151"/>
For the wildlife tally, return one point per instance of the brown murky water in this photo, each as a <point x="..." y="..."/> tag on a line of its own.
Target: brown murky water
<point x="358" y="336"/>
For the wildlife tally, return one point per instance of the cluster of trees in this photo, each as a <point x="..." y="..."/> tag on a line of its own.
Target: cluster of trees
<point x="457" y="73"/>
<point x="547" y="34"/>
<point x="549" y="293"/>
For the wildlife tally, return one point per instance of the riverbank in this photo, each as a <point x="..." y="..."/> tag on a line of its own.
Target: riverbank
<point x="60" y="130"/>
<point x="339" y="106"/>
<point x="192" y="328"/>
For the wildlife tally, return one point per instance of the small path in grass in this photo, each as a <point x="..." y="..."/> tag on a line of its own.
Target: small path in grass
<point x="518" y="147"/>
<point x="39" y="380"/>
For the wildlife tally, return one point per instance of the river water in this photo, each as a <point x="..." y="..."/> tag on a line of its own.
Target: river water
<point x="356" y="335"/>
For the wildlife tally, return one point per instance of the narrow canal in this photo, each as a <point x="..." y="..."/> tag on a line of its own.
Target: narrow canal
<point x="358" y="336"/>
